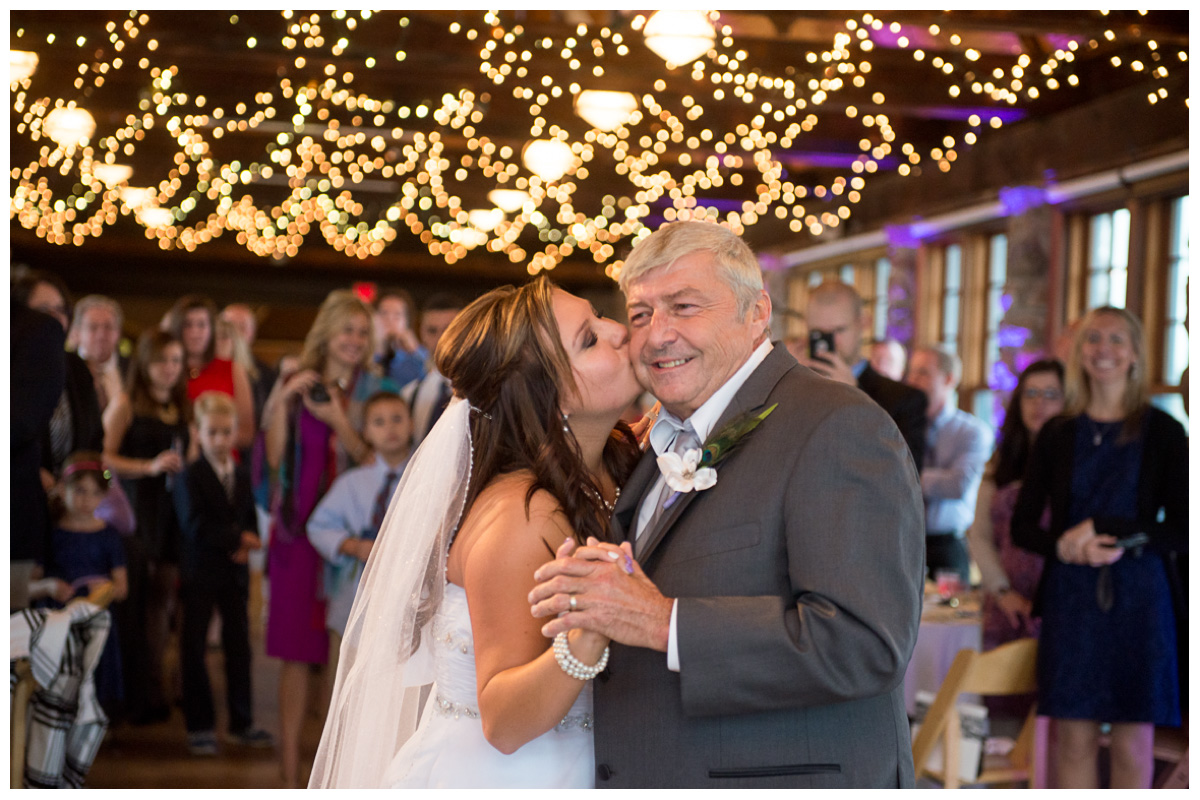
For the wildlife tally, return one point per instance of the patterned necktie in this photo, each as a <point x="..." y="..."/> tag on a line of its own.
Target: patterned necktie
<point x="685" y="439"/>
<point x="382" y="501"/>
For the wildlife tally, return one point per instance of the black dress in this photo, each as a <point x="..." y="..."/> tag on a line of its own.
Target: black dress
<point x="151" y="555"/>
<point x="150" y="496"/>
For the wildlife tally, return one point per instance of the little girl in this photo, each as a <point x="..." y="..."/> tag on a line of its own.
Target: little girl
<point x="84" y="550"/>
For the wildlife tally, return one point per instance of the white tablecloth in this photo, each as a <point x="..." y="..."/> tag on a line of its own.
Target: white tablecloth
<point x="942" y="634"/>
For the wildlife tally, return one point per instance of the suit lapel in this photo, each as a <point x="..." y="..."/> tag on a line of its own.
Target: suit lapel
<point x="751" y="396"/>
<point x="215" y="487"/>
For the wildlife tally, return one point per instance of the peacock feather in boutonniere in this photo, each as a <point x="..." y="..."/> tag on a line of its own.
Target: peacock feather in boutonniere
<point x="694" y="470"/>
<point x="724" y="440"/>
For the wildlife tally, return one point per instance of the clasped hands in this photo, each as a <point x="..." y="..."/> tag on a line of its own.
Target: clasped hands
<point x="600" y="588"/>
<point x="1082" y="545"/>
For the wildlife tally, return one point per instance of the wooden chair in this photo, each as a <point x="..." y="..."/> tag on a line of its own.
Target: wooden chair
<point x="101" y="594"/>
<point x="1171" y="746"/>
<point x="1009" y="669"/>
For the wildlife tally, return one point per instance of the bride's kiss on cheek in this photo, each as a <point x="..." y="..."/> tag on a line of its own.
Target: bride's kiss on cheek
<point x="675" y="607"/>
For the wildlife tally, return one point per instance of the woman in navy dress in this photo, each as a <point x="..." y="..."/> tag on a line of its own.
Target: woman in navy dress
<point x="1111" y="467"/>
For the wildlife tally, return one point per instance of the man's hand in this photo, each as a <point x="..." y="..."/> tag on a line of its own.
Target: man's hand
<point x="613" y="597"/>
<point x="832" y="366"/>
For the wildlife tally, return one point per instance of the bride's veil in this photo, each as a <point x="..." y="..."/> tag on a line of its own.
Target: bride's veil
<point x="385" y="656"/>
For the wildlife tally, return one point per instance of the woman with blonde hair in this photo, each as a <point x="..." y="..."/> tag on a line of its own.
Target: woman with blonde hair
<point x="312" y="435"/>
<point x="529" y="455"/>
<point x="1114" y="471"/>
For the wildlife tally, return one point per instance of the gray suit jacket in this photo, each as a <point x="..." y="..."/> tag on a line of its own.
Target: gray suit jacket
<point x="799" y="578"/>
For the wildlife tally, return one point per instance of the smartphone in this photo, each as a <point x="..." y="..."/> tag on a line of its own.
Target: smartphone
<point x="319" y="394"/>
<point x="1133" y="540"/>
<point x="819" y="343"/>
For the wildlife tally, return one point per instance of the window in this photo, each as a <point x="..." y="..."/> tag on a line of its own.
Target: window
<point x="987" y="403"/>
<point x="883" y="274"/>
<point x="951" y="297"/>
<point x="1108" y="259"/>
<point x="996" y="302"/>
<point x="1174" y="329"/>
<point x="1175" y="346"/>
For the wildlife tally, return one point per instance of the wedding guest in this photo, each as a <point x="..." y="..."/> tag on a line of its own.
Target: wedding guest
<point x="192" y="320"/>
<point x="312" y="437"/>
<point x="43" y="291"/>
<point x="428" y="396"/>
<point x="87" y="550"/>
<point x="216" y="514"/>
<point x="888" y="358"/>
<point x="835" y="309"/>
<point x="36" y="340"/>
<point x="957" y="445"/>
<point x="1010" y="574"/>
<point x="1113" y="466"/>
<point x="76" y="423"/>
<point x="145" y="440"/>
<point x="263" y="376"/>
<point x="397" y="350"/>
<point x="346" y="521"/>
<point x="96" y="332"/>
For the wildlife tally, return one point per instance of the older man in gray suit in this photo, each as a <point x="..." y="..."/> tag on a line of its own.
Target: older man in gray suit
<point x="761" y="638"/>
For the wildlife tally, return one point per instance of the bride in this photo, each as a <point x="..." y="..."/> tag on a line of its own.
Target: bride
<point x="527" y="456"/>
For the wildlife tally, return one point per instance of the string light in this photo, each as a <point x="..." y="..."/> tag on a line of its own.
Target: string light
<point x="332" y="147"/>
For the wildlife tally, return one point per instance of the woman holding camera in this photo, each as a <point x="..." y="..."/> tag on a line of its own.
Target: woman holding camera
<point x="1114" y="471"/>
<point x="311" y="437"/>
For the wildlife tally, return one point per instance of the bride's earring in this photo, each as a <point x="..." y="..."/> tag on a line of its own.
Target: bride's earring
<point x="566" y="427"/>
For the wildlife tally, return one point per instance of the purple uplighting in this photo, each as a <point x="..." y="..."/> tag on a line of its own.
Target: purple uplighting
<point x="1019" y="199"/>
<point x="901" y="236"/>
<point x="1012" y="336"/>
<point x="1002" y="378"/>
<point x="1006" y="302"/>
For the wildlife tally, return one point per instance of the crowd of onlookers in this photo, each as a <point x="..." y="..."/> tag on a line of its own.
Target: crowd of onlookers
<point x="165" y="471"/>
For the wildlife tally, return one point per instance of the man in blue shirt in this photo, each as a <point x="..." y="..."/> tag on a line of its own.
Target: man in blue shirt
<point x="957" y="446"/>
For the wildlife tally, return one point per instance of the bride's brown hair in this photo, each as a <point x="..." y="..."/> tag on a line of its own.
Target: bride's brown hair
<point x="504" y="354"/>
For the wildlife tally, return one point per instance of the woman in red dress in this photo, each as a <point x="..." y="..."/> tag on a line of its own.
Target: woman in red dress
<point x="192" y="320"/>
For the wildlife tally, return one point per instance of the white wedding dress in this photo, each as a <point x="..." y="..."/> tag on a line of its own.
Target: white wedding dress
<point x="448" y="749"/>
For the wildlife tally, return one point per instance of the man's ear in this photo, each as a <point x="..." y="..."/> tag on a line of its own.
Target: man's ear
<point x="760" y="312"/>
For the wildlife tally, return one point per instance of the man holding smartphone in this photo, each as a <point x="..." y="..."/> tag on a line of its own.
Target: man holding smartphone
<point x="835" y="326"/>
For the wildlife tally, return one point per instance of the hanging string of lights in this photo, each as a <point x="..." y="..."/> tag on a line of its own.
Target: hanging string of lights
<point x="330" y="145"/>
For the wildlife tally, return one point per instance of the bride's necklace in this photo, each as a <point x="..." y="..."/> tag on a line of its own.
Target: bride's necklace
<point x="609" y="507"/>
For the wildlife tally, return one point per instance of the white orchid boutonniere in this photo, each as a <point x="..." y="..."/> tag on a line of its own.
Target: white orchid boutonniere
<point x="695" y="470"/>
<point x="684" y="473"/>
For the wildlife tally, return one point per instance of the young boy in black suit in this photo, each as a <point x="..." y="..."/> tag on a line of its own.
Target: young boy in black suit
<point x="216" y="513"/>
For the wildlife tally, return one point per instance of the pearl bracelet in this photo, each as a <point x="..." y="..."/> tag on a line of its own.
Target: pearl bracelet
<point x="572" y="665"/>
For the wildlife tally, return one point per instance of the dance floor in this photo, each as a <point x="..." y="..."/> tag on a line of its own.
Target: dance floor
<point x="156" y="757"/>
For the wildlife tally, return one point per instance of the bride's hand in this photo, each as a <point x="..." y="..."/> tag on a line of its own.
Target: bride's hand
<point x="641" y="428"/>
<point x="596" y="550"/>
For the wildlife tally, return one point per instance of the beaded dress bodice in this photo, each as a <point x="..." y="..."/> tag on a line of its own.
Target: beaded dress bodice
<point x="454" y="664"/>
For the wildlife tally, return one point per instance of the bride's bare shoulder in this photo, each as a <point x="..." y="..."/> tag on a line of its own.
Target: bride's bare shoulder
<point x="501" y="514"/>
